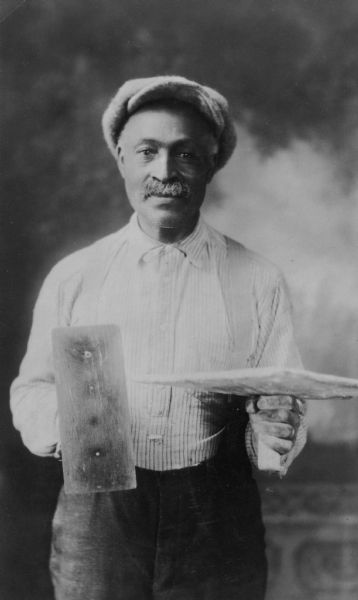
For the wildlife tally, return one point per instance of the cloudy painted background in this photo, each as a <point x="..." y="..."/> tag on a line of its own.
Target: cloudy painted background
<point x="290" y="71"/>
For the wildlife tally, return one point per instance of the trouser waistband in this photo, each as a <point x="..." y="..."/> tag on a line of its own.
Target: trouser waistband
<point x="219" y="463"/>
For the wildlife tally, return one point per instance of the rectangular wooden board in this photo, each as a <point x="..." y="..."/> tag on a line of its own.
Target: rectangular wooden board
<point x="96" y="443"/>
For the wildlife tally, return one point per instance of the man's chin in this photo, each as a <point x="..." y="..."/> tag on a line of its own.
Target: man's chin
<point x="168" y="219"/>
<point x="167" y="207"/>
<point x="168" y="216"/>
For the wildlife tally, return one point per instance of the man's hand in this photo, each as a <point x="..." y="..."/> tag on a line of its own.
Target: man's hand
<point x="275" y="421"/>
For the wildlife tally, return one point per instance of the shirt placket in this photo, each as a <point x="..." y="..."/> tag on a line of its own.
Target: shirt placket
<point x="164" y="331"/>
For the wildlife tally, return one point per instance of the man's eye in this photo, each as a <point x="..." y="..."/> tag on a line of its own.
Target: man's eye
<point x="187" y="155"/>
<point x="146" y="151"/>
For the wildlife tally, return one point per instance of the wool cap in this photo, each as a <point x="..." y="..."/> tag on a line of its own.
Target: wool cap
<point x="135" y="93"/>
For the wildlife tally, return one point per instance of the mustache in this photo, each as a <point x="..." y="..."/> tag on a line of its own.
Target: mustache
<point x="174" y="188"/>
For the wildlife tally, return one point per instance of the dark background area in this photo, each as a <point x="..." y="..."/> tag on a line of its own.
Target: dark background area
<point x="290" y="71"/>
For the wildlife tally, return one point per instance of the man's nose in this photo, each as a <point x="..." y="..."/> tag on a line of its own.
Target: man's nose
<point x="164" y="167"/>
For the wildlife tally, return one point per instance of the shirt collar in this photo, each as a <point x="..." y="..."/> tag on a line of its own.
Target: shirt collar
<point x="194" y="246"/>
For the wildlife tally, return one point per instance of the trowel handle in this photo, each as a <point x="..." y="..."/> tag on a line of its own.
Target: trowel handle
<point x="267" y="459"/>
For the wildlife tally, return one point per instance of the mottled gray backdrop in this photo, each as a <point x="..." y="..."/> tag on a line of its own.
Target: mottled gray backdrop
<point x="290" y="70"/>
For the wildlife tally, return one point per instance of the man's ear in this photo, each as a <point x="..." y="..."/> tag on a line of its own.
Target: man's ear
<point x="212" y="158"/>
<point x="120" y="160"/>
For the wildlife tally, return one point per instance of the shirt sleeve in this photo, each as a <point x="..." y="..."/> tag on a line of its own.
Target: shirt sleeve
<point x="33" y="399"/>
<point x="276" y="347"/>
<point x="32" y="395"/>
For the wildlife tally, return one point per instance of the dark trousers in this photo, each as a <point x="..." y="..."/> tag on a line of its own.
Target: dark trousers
<point x="189" y="534"/>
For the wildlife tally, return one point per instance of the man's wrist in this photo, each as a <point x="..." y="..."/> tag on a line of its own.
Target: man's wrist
<point x="58" y="452"/>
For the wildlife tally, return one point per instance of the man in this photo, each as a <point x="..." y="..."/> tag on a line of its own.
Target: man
<point x="186" y="298"/>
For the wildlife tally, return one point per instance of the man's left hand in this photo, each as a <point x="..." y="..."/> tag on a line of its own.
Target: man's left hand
<point x="275" y="421"/>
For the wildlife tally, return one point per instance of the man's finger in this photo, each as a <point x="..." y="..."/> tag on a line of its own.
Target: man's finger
<point x="279" y="430"/>
<point x="270" y="402"/>
<point x="281" y="415"/>
<point x="278" y="444"/>
<point x="251" y="404"/>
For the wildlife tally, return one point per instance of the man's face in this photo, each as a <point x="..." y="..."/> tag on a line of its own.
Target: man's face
<point x="166" y="157"/>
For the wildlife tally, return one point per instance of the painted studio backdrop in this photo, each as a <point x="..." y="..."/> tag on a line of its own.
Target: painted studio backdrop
<point x="290" y="71"/>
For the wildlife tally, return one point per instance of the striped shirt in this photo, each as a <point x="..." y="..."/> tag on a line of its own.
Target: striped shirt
<point x="171" y="306"/>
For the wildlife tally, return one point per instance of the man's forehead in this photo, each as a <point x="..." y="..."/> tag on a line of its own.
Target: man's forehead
<point x="168" y="118"/>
